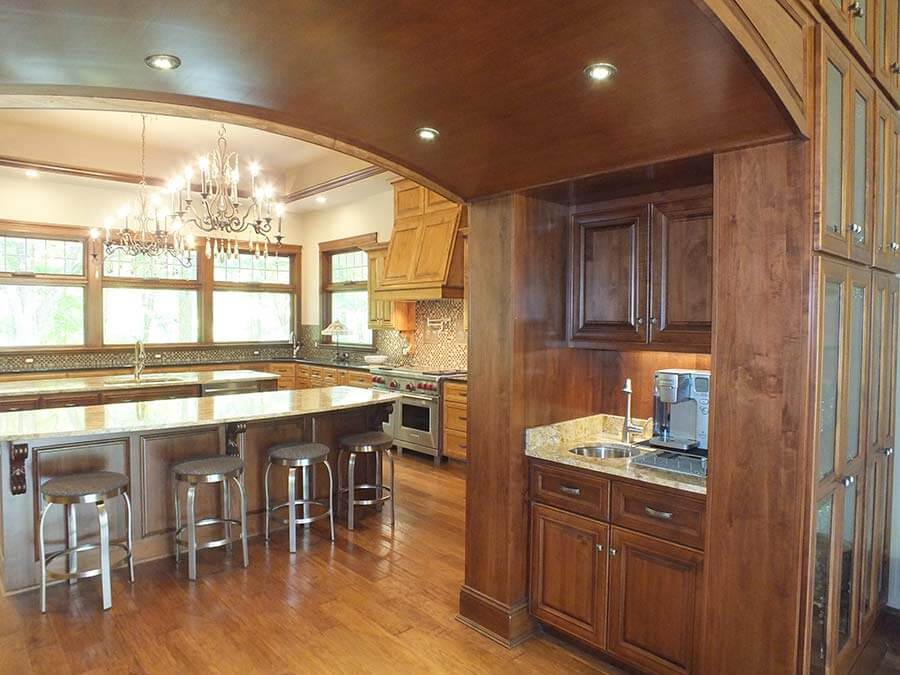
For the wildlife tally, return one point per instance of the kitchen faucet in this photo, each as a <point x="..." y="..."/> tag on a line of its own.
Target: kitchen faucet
<point x="140" y="360"/>
<point x="295" y="344"/>
<point x="628" y="427"/>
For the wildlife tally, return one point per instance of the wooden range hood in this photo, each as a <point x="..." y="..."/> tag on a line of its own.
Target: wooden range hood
<point x="425" y="256"/>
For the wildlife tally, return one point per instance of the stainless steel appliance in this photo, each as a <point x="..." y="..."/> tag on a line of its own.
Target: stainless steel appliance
<point x="681" y="409"/>
<point x="415" y="423"/>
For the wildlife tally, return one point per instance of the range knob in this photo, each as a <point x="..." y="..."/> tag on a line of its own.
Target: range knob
<point x="410" y="387"/>
<point x="393" y="384"/>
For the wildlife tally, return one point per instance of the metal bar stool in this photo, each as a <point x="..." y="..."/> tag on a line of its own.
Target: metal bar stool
<point x="296" y="456"/>
<point x="218" y="469"/>
<point x="368" y="442"/>
<point x="85" y="488"/>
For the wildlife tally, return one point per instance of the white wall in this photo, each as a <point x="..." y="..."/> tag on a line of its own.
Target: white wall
<point x="372" y="214"/>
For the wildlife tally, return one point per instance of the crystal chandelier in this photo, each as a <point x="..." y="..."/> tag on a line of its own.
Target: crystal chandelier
<point x="146" y="228"/>
<point x="223" y="212"/>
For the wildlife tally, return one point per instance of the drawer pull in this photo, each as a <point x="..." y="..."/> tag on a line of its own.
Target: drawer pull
<point x="575" y="492"/>
<point x="463" y="419"/>
<point x="662" y="515"/>
<point x="464" y="446"/>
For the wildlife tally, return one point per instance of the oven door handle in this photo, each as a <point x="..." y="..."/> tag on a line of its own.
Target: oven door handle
<point x="418" y="398"/>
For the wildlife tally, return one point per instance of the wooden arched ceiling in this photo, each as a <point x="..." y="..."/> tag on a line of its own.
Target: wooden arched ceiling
<point x="502" y="81"/>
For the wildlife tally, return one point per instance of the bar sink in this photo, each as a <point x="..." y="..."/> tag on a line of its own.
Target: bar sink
<point x="150" y="378"/>
<point x="605" y="451"/>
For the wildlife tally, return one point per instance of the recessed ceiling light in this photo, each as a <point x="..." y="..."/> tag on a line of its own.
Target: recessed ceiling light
<point x="162" y="61"/>
<point x="427" y="134"/>
<point x="31" y="173"/>
<point x="600" y="72"/>
<point x="321" y="199"/>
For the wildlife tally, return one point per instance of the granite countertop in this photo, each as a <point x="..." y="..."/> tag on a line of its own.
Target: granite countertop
<point x="69" y="385"/>
<point x="551" y="443"/>
<point x="118" y="418"/>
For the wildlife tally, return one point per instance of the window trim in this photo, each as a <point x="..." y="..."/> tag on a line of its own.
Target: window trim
<point x="327" y="249"/>
<point x="93" y="281"/>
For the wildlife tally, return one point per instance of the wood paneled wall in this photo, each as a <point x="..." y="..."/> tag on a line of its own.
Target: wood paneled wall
<point x="758" y="476"/>
<point x="521" y="374"/>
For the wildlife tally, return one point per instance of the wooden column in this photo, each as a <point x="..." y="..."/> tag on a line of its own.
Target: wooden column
<point x="520" y="375"/>
<point x="759" y="462"/>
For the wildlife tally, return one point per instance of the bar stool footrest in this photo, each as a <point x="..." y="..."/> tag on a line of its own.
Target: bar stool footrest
<point x="88" y="573"/>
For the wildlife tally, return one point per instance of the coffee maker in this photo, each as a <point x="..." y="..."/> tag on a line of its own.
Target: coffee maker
<point x="681" y="410"/>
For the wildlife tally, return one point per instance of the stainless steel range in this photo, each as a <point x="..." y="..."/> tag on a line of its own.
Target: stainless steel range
<point x="415" y="423"/>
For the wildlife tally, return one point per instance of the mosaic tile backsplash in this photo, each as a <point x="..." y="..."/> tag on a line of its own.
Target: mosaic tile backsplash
<point x="440" y="343"/>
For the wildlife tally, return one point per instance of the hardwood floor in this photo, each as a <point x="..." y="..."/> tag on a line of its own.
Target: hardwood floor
<point x="371" y="602"/>
<point x="881" y="655"/>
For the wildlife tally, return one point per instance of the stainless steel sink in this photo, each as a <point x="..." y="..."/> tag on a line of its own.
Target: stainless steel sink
<point x="152" y="377"/>
<point x="606" y="451"/>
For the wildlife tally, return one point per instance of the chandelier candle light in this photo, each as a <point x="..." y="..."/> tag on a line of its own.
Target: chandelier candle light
<point x="147" y="228"/>
<point x="222" y="211"/>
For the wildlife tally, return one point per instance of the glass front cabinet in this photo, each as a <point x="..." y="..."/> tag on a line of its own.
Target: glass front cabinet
<point x="854" y="425"/>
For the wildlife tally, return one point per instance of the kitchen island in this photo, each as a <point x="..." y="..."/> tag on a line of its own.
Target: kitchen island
<point x="143" y="440"/>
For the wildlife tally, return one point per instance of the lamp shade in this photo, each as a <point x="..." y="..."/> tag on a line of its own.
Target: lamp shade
<point x="336" y="328"/>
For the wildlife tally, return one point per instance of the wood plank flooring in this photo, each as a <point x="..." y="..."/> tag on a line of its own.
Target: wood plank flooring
<point x="881" y="655"/>
<point x="372" y="602"/>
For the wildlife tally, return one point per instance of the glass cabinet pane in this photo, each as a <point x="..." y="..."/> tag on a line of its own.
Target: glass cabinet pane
<point x="847" y="566"/>
<point x="875" y="356"/>
<point x="861" y="21"/>
<point x="883" y="237"/>
<point x="830" y="375"/>
<point x="834" y="148"/>
<point x="855" y="367"/>
<point x="821" y="586"/>
<point x="860" y="166"/>
<point x="865" y="601"/>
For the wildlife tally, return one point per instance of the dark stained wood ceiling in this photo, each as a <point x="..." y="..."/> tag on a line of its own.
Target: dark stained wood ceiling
<point x="501" y="80"/>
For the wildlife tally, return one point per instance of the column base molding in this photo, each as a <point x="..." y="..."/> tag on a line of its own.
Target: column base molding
<point x="510" y="625"/>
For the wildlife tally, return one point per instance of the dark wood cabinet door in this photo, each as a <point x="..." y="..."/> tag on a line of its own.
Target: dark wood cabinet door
<point x="681" y="274"/>
<point x="568" y="573"/>
<point x="655" y="602"/>
<point x="608" y="283"/>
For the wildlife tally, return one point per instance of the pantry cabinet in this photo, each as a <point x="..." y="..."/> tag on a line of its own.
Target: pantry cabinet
<point x="856" y="317"/>
<point x="641" y="273"/>
<point x="855" y="22"/>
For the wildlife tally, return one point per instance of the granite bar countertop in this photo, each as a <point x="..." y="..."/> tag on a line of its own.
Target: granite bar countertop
<point x="552" y="443"/>
<point x="70" y="385"/>
<point x="119" y="418"/>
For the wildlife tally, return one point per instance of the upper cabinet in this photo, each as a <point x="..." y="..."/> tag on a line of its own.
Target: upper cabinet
<point x="887" y="46"/>
<point x="886" y="252"/>
<point x="845" y="149"/>
<point x="425" y="257"/>
<point x="641" y="274"/>
<point x="855" y="20"/>
<point x="384" y="314"/>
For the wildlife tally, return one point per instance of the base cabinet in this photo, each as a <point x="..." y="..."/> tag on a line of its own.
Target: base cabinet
<point x="655" y="600"/>
<point x="636" y="597"/>
<point x="568" y="574"/>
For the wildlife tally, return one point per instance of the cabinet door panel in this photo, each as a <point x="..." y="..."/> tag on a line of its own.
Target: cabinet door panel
<point x="437" y="237"/>
<point x="655" y="602"/>
<point x="861" y="116"/>
<point x="846" y="569"/>
<point x="857" y="341"/>
<point x="834" y="148"/>
<point x="862" y="29"/>
<point x="568" y="573"/>
<point x="820" y="645"/>
<point x="681" y="274"/>
<point x="404" y="240"/>
<point x="832" y="292"/>
<point x="609" y="276"/>
<point x="409" y="199"/>
<point x="885" y="239"/>
<point x="887" y="25"/>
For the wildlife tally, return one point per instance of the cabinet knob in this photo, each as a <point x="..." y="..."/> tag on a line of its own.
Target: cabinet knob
<point x="856" y="9"/>
<point x="613" y="551"/>
<point x="640" y="321"/>
<point x="599" y="548"/>
<point x="888" y="452"/>
<point x="652" y="320"/>
<point x="847" y="481"/>
<point x="895" y="246"/>
<point x="895" y="67"/>
<point x="855" y="228"/>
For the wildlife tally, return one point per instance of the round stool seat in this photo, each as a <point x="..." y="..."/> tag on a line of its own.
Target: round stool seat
<point x="298" y="454"/>
<point x="84" y="488"/>
<point x="209" y="469"/>
<point x="367" y="441"/>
